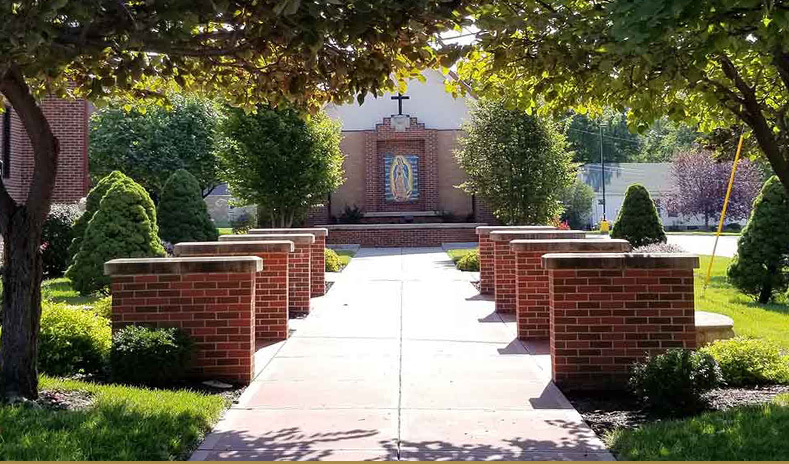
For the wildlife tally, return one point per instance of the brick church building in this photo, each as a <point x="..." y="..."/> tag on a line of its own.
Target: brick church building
<point x="69" y="122"/>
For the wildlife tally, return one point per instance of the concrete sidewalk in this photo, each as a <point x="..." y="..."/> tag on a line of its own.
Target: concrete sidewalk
<point x="402" y="360"/>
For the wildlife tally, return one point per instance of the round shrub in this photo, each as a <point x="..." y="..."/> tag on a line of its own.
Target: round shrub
<point x="183" y="215"/>
<point x="148" y="356"/>
<point x="763" y="249"/>
<point x="123" y="227"/>
<point x="92" y="203"/>
<point x="469" y="262"/>
<point x="56" y="237"/>
<point x="638" y="221"/>
<point x="675" y="380"/>
<point x="332" y="259"/>
<point x="749" y="361"/>
<point x="72" y="340"/>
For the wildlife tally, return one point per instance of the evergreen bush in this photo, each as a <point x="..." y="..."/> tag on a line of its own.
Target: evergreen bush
<point x="123" y="227"/>
<point x="56" y="237"/>
<point x="638" y="221"/>
<point x="155" y="357"/>
<point x="91" y="206"/>
<point x="759" y="267"/>
<point x="183" y="215"/>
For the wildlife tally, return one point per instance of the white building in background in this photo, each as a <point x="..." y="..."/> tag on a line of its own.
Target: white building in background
<point x="655" y="177"/>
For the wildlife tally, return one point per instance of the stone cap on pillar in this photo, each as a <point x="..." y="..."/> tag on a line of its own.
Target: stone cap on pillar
<point x="298" y="239"/>
<point x="510" y="235"/>
<point x="620" y="261"/>
<point x="316" y="231"/>
<point x="577" y="245"/>
<point x="201" y="265"/>
<point x="486" y="230"/>
<point x="235" y="248"/>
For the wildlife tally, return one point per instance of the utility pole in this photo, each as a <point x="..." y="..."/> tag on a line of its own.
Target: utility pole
<point x="602" y="165"/>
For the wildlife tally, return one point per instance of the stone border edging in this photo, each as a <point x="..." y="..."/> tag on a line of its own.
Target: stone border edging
<point x="202" y="265"/>
<point x="426" y="225"/>
<point x="192" y="248"/>
<point x="509" y="235"/>
<point x="317" y="231"/>
<point x="620" y="261"/>
<point x="298" y="239"/>
<point x="572" y="245"/>
<point x="486" y="230"/>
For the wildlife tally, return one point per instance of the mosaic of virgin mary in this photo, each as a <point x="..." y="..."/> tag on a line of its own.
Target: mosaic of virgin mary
<point x="401" y="185"/>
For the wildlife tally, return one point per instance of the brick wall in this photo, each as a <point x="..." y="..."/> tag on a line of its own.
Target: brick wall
<point x="212" y="301"/>
<point x="299" y="264"/>
<point x="401" y="235"/>
<point x="531" y="307"/>
<point x="486" y="284"/>
<point x="415" y="140"/>
<point x="69" y="122"/>
<point x="609" y="311"/>
<point x="271" y="284"/>
<point x="317" y="254"/>
<point x="504" y="271"/>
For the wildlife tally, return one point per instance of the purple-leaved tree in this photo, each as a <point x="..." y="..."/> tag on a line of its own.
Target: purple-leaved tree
<point x="700" y="184"/>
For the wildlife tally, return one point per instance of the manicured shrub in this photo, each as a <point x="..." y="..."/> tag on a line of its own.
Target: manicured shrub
<point x="469" y="262"/>
<point x="758" y="268"/>
<point x="638" y="221"/>
<point x="749" y="361"/>
<point x="351" y="215"/>
<point x="123" y="227"/>
<point x="332" y="259"/>
<point x="675" y="381"/>
<point x="183" y="215"/>
<point x="72" y="340"/>
<point x="56" y="238"/>
<point x="103" y="307"/>
<point x="242" y="223"/>
<point x="91" y="206"/>
<point x="147" y="356"/>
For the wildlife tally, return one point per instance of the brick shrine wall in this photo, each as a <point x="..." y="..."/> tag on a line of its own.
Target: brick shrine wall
<point x="217" y="310"/>
<point x="373" y="237"/>
<point x="69" y="122"/>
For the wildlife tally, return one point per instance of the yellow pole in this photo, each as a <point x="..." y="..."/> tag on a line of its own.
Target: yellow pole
<point x="723" y="214"/>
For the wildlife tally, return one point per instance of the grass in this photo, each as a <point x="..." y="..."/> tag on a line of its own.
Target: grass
<point x="59" y="290"/>
<point x="225" y="230"/>
<point x="456" y="253"/>
<point x="751" y="319"/>
<point x="122" y="423"/>
<point x="752" y="433"/>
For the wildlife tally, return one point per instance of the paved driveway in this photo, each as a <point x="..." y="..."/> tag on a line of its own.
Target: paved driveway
<point x="703" y="244"/>
<point x="402" y="360"/>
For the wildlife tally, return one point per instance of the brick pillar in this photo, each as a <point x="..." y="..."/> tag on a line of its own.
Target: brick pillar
<point x="611" y="310"/>
<point x="317" y="254"/>
<point x="299" y="264"/>
<point x="486" y="275"/>
<point x="505" y="289"/>
<point x="271" y="284"/>
<point x="531" y="308"/>
<point x="211" y="299"/>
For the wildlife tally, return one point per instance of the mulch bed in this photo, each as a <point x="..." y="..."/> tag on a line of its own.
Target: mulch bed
<point x="606" y="411"/>
<point x="70" y="400"/>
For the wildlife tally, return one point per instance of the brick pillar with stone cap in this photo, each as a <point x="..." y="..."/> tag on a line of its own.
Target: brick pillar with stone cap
<point x="317" y="254"/>
<point x="486" y="276"/>
<point x="532" y="309"/>
<point x="299" y="264"/>
<point x="212" y="299"/>
<point x="609" y="310"/>
<point x="271" y="284"/>
<point x="504" y="272"/>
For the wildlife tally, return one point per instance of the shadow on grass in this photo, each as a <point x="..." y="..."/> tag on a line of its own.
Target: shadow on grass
<point x="60" y="291"/>
<point x="753" y="433"/>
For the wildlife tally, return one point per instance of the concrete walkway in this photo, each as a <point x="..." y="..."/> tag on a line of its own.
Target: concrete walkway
<point x="402" y="360"/>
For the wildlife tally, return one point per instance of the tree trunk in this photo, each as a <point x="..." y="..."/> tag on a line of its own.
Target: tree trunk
<point x="22" y="274"/>
<point x="706" y="221"/>
<point x="21" y="228"/>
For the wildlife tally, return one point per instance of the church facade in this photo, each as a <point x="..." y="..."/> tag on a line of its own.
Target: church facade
<point x="399" y="158"/>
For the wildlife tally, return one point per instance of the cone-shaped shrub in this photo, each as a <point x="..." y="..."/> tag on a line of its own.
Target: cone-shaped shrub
<point x="183" y="215"/>
<point x="123" y="227"/>
<point x="758" y="268"/>
<point x="638" y="221"/>
<point x="91" y="206"/>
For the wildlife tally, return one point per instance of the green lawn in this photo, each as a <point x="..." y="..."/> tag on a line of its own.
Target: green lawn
<point x="345" y="256"/>
<point x="122" y="423"/>
<point x="225" y="230"/>
<point x="457" y="253"/>
<point x="748" y="433"/>
<point x="751" y="319"/>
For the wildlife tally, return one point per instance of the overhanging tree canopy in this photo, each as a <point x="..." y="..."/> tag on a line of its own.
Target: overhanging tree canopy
<point x="247" y="52"/>
<point x="713" y="62"/>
